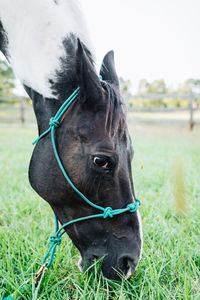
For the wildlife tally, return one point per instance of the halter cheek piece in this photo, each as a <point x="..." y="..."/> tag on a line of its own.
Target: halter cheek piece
<point x="105" y="212"/>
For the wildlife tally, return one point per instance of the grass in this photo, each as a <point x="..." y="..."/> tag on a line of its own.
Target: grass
<point x="170" y="265"/>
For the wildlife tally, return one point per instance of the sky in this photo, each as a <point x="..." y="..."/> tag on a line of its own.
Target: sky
<point x="152" y="39"/>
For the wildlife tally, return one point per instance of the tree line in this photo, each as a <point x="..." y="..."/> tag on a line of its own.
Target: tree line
<point x="7" y="79"/>
<point x="145" y="87"/>
<point x="159" y="87"/>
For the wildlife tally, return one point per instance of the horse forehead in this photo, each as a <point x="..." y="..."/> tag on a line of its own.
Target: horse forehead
<point x="97" y="129"/>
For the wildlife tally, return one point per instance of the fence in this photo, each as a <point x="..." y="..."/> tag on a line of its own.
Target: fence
<point x="191" y="108"/>
<point x="16" y="109"/>
<point x="19" y="109"/>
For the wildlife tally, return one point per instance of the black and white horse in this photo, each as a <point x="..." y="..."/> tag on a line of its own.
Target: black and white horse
<point x="47" y="44"/>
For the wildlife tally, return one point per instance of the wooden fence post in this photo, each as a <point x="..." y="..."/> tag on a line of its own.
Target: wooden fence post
<point x="191" y="109"/>
<point x="22" y="110"/>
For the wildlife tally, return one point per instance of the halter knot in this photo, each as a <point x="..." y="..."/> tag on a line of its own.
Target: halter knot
<point x="132" y="207"/>
<point x="138" y="202"/>
<point x="108" y="212"/>
<point x="56" y="240"/>
<point x="53" y="122"/>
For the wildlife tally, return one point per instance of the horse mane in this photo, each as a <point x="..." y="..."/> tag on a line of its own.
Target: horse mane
<point x="115" y="121"/>
<point x="108" y="100"/>
<point x="3" y="40"/>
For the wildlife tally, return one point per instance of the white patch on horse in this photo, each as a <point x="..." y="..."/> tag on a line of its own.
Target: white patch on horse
<point x="35" y="31"/>
<point x="129" y="273"/>
<point x="140" y="231"/>
<point x="80" y="265"/>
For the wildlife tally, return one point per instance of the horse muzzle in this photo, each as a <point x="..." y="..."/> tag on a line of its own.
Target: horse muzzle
<point x="113" y="269"/>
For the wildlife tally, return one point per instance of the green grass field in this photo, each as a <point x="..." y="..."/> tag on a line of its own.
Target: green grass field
<point x="166" y="171"/>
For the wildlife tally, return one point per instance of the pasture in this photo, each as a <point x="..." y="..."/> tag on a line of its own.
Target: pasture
<point x="170" y="264"/>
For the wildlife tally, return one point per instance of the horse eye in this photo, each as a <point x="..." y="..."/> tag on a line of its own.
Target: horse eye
<point x="102" y="162"/>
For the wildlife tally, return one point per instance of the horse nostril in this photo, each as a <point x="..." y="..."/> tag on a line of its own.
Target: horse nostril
<point x="126" y="265"/>
<point x="85" y="263"/>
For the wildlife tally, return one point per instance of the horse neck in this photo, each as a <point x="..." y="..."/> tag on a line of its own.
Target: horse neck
<point x="32" y="35"/>
<point x="44" y="108"/>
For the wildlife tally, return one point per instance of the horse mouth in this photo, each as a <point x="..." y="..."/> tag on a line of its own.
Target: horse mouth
<point x="126" y="276"/>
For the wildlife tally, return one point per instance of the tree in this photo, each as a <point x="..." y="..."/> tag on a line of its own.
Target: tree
<point x="125" y="87"/>
<point x="143" y="87"/>
<point x="155" y="87"/>
<point x="7" y="79"/>
<point x="192" y="86"/>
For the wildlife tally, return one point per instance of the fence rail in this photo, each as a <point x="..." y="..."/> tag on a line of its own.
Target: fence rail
<point x="192" y="107"/>
<point x="20" y="106"/>
<point x="23" y="112"/>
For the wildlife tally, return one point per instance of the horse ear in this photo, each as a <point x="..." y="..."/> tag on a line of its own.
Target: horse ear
<point x="87" y="77"/>
<point x="108" y="71"/>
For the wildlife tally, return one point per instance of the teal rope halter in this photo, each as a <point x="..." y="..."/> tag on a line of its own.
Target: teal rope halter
<point x="106" y="212"/>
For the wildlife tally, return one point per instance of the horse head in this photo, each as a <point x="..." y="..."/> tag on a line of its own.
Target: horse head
<point x="95" y="149"/>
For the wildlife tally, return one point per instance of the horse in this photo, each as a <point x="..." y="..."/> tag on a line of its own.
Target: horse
<point x="47" y="44"/>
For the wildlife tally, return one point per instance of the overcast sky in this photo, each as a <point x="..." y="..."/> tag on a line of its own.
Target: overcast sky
<point x="151" y="39"/>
